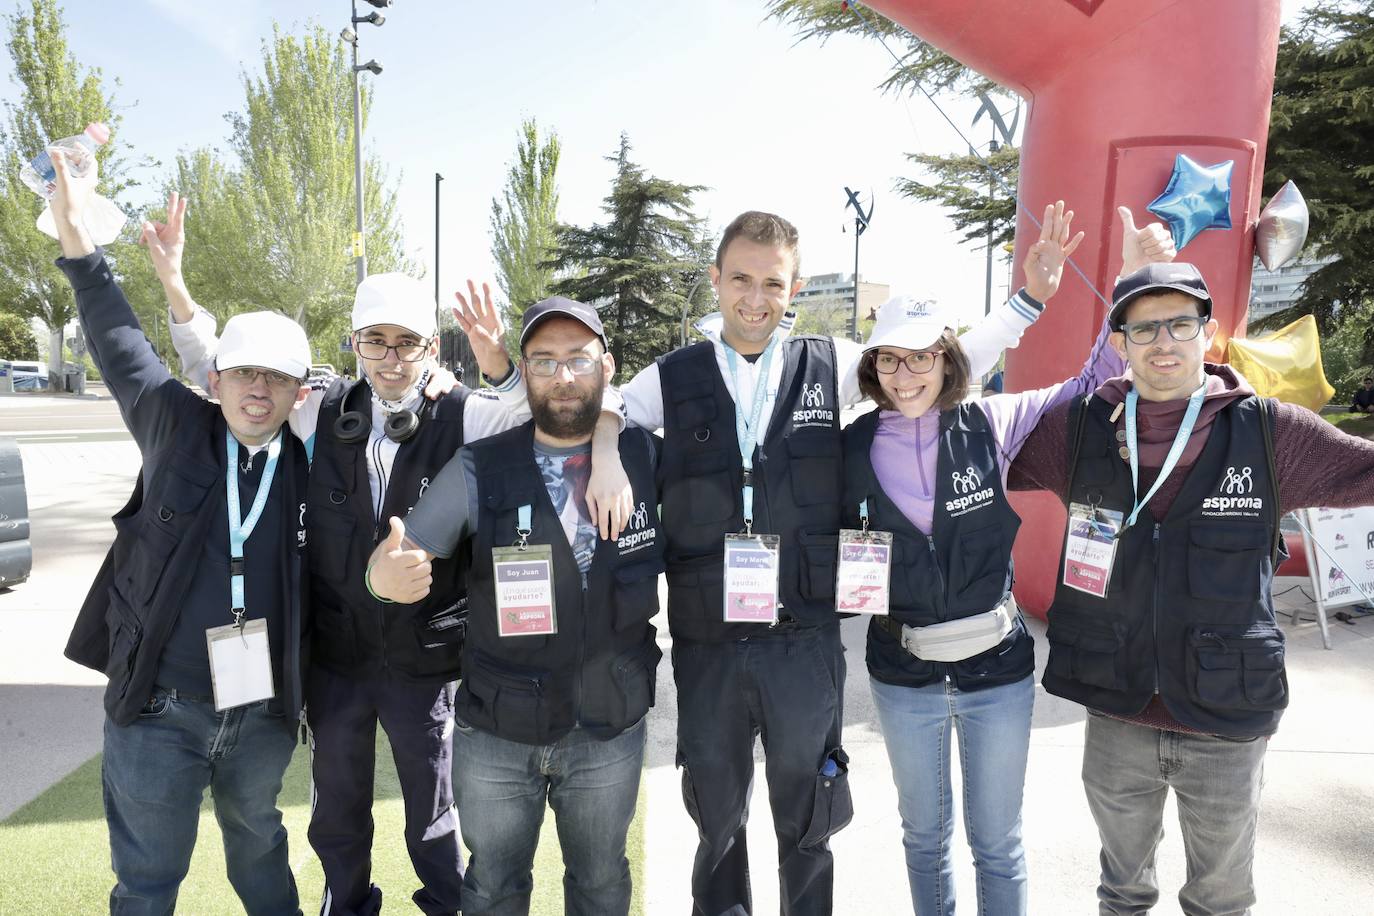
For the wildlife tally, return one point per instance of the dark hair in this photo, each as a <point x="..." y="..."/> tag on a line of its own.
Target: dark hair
<point x="762" y="229"/>
<point x="956" y="375"/>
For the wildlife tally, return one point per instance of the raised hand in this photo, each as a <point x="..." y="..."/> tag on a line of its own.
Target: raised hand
<point x="1044" y="264"/>
<point x="481" y="322"/>
<point x="166" y="241"/>
<point x="396" y="573"/>
<point x="1143" y="245"/>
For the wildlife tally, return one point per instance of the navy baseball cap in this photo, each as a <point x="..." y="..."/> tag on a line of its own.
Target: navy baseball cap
<point x="568" y="308"/>
<point x="1177" y="277"/>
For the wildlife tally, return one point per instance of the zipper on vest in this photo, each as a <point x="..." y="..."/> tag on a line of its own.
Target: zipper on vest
<point x="1154" y="605"/>
<point x="939" y="578"/>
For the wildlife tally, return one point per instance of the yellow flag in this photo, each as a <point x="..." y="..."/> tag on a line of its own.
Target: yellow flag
<point x="1286" y="365"/>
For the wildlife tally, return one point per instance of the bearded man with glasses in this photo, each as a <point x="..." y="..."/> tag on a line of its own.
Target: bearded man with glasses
<point x="1163" y="625"/>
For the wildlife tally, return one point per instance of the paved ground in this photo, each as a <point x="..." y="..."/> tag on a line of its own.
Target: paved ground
<point x="1316" y="847"/>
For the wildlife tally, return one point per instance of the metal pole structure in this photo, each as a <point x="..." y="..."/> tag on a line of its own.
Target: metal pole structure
<point x="992" y="191"/>
<point x="687" y="306"/>
<point x="861" y="220"/>
<point x="438" y="309"/>
<point x="359" y="248"/>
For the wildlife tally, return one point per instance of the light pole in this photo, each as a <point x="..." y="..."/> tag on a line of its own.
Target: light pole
<point x="437" y="307"/>
<point x="350" y="35"/>
<point x="860" y="224"/>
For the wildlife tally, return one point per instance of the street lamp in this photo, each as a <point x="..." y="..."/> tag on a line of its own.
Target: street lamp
<point x="350" y="35"/>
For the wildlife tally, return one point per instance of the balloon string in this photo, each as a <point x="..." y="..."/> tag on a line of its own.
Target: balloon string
<point x="858" y="10"/>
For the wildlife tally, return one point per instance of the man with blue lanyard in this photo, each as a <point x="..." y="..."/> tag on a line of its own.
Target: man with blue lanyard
<point x="196" y="615"/>
<point x="751" y="482"/>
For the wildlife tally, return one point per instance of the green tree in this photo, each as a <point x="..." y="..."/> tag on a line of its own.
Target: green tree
<point x="272" y="227"/>
<point x="638" y="266"/>
<point x="1321" y="136"/>
<point x="57" y="97"/>
<point x="16" y="338"/>
<point x="524" y="220"/>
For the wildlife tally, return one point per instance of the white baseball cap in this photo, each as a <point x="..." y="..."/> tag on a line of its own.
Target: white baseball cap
<point x="267" y="340"/>
<point x="394" y="298"/>
<point x="909" y="323"/>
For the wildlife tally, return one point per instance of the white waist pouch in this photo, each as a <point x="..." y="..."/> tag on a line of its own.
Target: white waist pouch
<point x="956" y="640"/>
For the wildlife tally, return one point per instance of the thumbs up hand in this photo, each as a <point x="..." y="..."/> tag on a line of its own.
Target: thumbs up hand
<point x="396" y="572"/>
<point x="1143" y="245"/>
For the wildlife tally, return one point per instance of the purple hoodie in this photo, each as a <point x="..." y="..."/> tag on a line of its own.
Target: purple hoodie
<point x="1011" y="416"/>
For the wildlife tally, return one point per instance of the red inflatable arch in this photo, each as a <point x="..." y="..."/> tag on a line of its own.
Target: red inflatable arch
<point x="1115" y="89"/>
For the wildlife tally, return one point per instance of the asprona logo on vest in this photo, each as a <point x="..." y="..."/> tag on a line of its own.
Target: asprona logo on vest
<point x="1234" y="498"/>
<point x="637" y="534"/>
<point x="813" y="411"/>
<point x="974" y="494"/>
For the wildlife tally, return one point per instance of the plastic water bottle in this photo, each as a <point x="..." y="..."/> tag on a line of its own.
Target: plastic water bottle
<point x="39" y="175"/>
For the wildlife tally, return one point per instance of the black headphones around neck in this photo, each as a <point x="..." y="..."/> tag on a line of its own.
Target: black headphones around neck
<point x="354" y="426"/>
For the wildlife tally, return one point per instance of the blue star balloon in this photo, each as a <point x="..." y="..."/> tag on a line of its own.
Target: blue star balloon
<point x="1197" y="197"/>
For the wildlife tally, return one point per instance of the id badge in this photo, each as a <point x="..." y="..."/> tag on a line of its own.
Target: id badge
<point x="240" y="664"/>
<point x="1091" y="548"/>
<point x="751" y="578"/>
<point x="524" y="590"/>
<point x="864" y="572"/>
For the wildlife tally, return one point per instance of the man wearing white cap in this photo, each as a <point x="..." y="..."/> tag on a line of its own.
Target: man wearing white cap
<point x="196" y="617"/>
<point x="377" y="444"/>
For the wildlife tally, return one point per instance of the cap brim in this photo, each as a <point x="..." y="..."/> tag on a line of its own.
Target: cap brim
<point x="1117" y="315"/>
<point x="911" y="336"/>
<point x="559" y="313"/>
<point x="242" y="358"/>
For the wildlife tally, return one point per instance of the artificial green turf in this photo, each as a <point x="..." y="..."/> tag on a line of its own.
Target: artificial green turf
<point x="55" y="858"/>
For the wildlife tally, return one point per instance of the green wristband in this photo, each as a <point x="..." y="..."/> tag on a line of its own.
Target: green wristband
<point x="367" y="580"/>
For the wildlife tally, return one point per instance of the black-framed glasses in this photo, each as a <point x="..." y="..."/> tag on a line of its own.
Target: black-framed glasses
<point x="918" y="363"/>
<point x="1182" y="328"/>
<point x="247" y="375"/>
<point x="547" y="366"/>
<point x="406" y="352"/>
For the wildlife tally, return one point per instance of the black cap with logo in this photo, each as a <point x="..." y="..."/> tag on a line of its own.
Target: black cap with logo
<point x="1178" y="277"/>
<point x="569" y="308"/>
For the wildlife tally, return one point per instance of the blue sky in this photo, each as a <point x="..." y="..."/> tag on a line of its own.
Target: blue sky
<point x="708" y="91"/>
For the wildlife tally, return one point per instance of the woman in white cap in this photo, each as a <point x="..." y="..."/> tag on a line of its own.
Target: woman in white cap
<point x="948" y="648"/>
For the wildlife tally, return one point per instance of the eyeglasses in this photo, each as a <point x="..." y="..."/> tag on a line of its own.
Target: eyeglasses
<point x="406" y="352"/>
<point x="918" y="363"/>
<point x="1182" y="328"/>
<point x="547" y="367"/>
<point x="247" y="375"/>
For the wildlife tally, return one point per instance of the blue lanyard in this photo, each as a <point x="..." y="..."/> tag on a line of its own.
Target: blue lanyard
<point x="1185" y="429"/>
<point x="747" y="430"/>
<point x="863" y="513"/>
<point x="239" y="529"/>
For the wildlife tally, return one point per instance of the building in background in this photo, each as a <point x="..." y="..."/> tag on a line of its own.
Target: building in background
<point x="825" y="304"/>
<point x="1272" y="290"/>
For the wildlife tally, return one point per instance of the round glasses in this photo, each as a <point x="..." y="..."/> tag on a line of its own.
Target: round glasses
<point x="406" y="353"/>
<point x="247" y="375"/>
<point x="1182" y="328"/>
<point x="918" y="363"/>
<point x="547" y="367"/>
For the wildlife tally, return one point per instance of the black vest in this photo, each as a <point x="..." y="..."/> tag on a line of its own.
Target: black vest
<point x="136" y="597"/>
<point x="356" y="635"/>
<point x="599" y="669"/>
<point x="961" y="569"/>
<point x="797" y="480"/>
<point x="1188" y="612"/>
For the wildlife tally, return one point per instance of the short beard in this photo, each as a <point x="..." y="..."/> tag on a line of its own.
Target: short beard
<point x="576" y="425"/>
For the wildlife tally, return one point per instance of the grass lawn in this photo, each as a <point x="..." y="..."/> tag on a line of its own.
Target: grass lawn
<point x="1357" y="424"/>
<point x="56" y="857"/>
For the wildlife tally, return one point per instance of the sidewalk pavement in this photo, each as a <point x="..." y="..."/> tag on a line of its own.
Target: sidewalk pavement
<point x="1316" y="833"/>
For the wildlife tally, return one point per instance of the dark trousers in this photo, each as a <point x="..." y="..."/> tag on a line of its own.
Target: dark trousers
<point x="343" y="714"/>
<point x="784" y="687"/>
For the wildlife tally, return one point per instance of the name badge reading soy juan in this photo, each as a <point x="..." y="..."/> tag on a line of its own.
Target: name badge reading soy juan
<point x="240" y="664"/>
<point x="864" y="573"/>
<point x="524" y="590"/>
<point x="751" y="578"/>
<point x="1090" y="549"/>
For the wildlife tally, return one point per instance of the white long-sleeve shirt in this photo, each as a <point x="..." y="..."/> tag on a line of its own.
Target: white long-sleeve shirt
<point x="983" y="344"/>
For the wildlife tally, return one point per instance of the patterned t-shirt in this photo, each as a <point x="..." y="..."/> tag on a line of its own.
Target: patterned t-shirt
<point x="566" y="472"/>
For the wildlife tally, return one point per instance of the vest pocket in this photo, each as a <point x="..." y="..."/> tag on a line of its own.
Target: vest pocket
<point x="819" y="555"/>
<point x="832" y="806"/>
<point x="1085" y="650"/>
<point x="696" y="593"/>
<point x="703" y="495"/>
<point x="980" y="564"/>
<point x="332" y="636"/>
<point x="126" y="635"/>
<point x="1226" y="560"/>
<point x="636" y="593"/>
<point x="815" y="470"/>
<point x="1238" y="666"/>
<point x="439" y="638"/>
<point x="330" y="546"/>
<point x="506" y="701"/>
<point x="636" y="678"/>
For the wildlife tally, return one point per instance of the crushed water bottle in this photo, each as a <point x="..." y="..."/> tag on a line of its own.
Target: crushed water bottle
<point x="103" y="218"/>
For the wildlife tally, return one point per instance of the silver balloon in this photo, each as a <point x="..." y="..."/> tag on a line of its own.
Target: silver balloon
<point x="1282" y="227"/>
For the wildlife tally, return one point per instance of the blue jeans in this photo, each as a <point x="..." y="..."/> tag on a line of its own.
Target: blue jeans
<point x="1128" y="770"/>
<point x="501" y="787"/>
<point x="993" y="726"/>
<point x="155" y="771"/>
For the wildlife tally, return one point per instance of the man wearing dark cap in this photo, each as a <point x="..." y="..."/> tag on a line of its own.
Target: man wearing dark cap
<point x="1175" y="478"/>
<point x="559" y="663"/>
